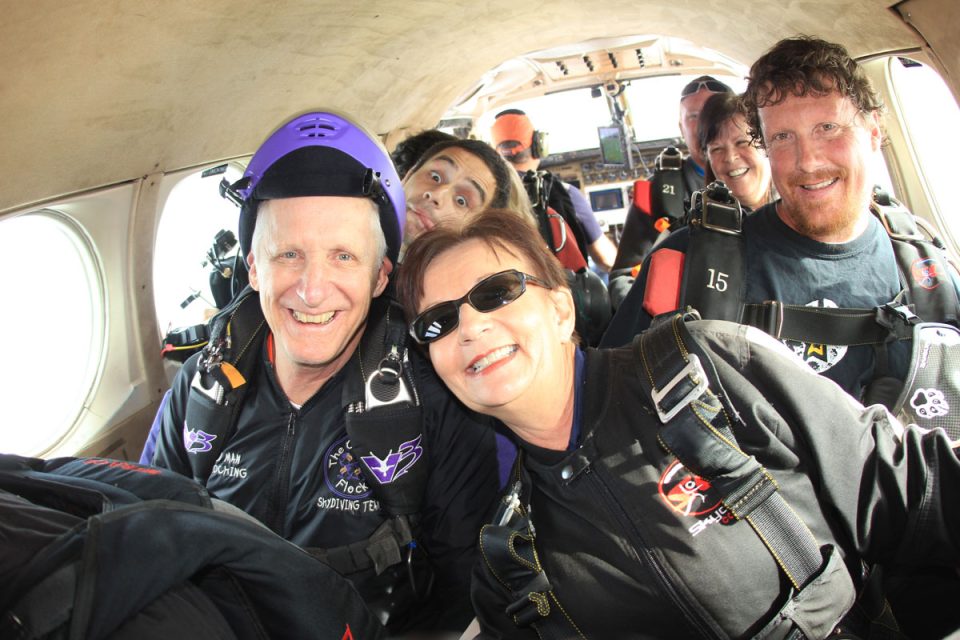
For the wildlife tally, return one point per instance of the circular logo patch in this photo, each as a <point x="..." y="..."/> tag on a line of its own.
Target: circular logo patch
<point x="925" y="273"/>
<point x="343" y="473"/>
<point x="686" y="493"/>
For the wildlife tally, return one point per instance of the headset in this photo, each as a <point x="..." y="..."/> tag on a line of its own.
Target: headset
<point x="538" y="145"/>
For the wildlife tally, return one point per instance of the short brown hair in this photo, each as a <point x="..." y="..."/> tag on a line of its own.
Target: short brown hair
<point x="805" y="65"/>
<point x="499" y="229"/>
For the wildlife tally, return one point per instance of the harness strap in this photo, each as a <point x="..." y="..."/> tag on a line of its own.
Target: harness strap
<point x="714" y="265"/>
<point x="508" y="549"/>
<point x="823" y="325"/>
<point x="697" y="430"/>
<point x="220" y="382"/>
<point x="384" y="418"/>
<point x="384" y="548"/>
<point x="921" y="260"/>
<point x="667" y="189"/>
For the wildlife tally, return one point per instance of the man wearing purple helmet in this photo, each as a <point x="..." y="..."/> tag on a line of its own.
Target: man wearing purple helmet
<point x="307" y="410"/>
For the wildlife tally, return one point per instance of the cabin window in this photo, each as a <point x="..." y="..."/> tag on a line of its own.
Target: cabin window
<point x="193" y="216"/>
<point x="931" y="119"/>
<point x="53" y="328"/>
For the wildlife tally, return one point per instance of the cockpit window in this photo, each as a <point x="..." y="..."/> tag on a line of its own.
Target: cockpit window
<point x="53" y="328"/>
<point x="572" y="117"/>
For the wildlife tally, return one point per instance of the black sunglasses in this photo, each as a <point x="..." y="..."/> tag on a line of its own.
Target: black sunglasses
<point x="710" y="85"/>
<point x="491" y="293"/>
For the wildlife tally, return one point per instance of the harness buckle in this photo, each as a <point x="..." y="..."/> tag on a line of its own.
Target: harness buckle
<point x="692" y="374"/>
<point x="390" y="373"/>
<point x="772" y="318"/>
<point x="897" y="318"/>
<point x="718" y="209"/>
<point x="563" y="232"/>
<point x="670" y="159"/>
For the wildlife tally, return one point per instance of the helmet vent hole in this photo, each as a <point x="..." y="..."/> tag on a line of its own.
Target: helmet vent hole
<point x="316" y="130"/>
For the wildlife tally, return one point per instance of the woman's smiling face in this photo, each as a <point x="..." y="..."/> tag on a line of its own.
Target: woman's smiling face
<point x="501" y="361"/>
<point x="742" y="167"/>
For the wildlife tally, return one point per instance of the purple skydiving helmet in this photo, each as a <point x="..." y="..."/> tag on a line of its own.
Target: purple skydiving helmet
<point x="321" y="154"/>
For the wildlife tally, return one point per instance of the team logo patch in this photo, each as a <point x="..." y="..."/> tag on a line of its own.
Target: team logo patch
<point x="388" y="469"/>
<point x="929" y="403"/>
<point x="197" y="441"/>
<point x="926" y="273"/>
<point x="692" y="496"/>
<point x="684" y="492"/>
<point x="343" y="472"/>
<point x="818" y="357"/>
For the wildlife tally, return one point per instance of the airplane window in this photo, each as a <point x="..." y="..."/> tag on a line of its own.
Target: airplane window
<point x="193" y="216"/>
<point x="53" y="327"/>
<point x="932" y="119"/>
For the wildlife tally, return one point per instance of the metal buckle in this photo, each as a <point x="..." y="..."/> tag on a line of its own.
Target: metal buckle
<point x="772" y="317"/>
<point x="215" y="392"/>
<point x="563" y="232"/>
<point x="389" y="367"/>
<point x="670" y="159"/>
<point x="693" y="370"/>
<point x="735" y="215"/>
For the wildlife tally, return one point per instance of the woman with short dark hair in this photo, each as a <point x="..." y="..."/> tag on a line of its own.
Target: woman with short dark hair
<point x="730" y="152"/>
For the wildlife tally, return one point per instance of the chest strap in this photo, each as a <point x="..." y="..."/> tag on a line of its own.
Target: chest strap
<point x="227" y="363"/>
<point x="837" y="326"/>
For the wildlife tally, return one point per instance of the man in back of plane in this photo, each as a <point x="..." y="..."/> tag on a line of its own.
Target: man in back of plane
<point x="640" y="228"/>
<point x="281" y="415"/>
<point x="514" y="137"/>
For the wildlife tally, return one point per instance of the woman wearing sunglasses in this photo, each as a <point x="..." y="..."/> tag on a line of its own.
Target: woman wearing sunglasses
<point x="606" y="531"/>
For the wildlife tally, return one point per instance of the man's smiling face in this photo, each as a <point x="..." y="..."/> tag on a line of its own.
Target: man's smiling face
<point x="820" y="148"/>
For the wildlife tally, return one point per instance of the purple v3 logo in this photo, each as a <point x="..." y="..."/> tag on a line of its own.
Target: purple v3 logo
<point x="388" y="469"/>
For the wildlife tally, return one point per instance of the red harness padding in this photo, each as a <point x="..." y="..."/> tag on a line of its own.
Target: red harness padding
<point x="664" y="278"/>
<point x="641" y="196"/>
<point x="568" y="254"/>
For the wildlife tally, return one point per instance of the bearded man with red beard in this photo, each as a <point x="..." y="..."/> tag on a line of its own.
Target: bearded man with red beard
<point x="816" y="253"/>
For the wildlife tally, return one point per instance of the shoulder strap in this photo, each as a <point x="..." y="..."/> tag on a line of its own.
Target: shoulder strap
<point x="697" y="429"/>
<point x="921" y="259"/>
<point x="219" y="384"/>
<point x="667" y="189"/>
<point x="714" y="271"/>
<point x="384" y="420"/>
<point x="384" y="414"/>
